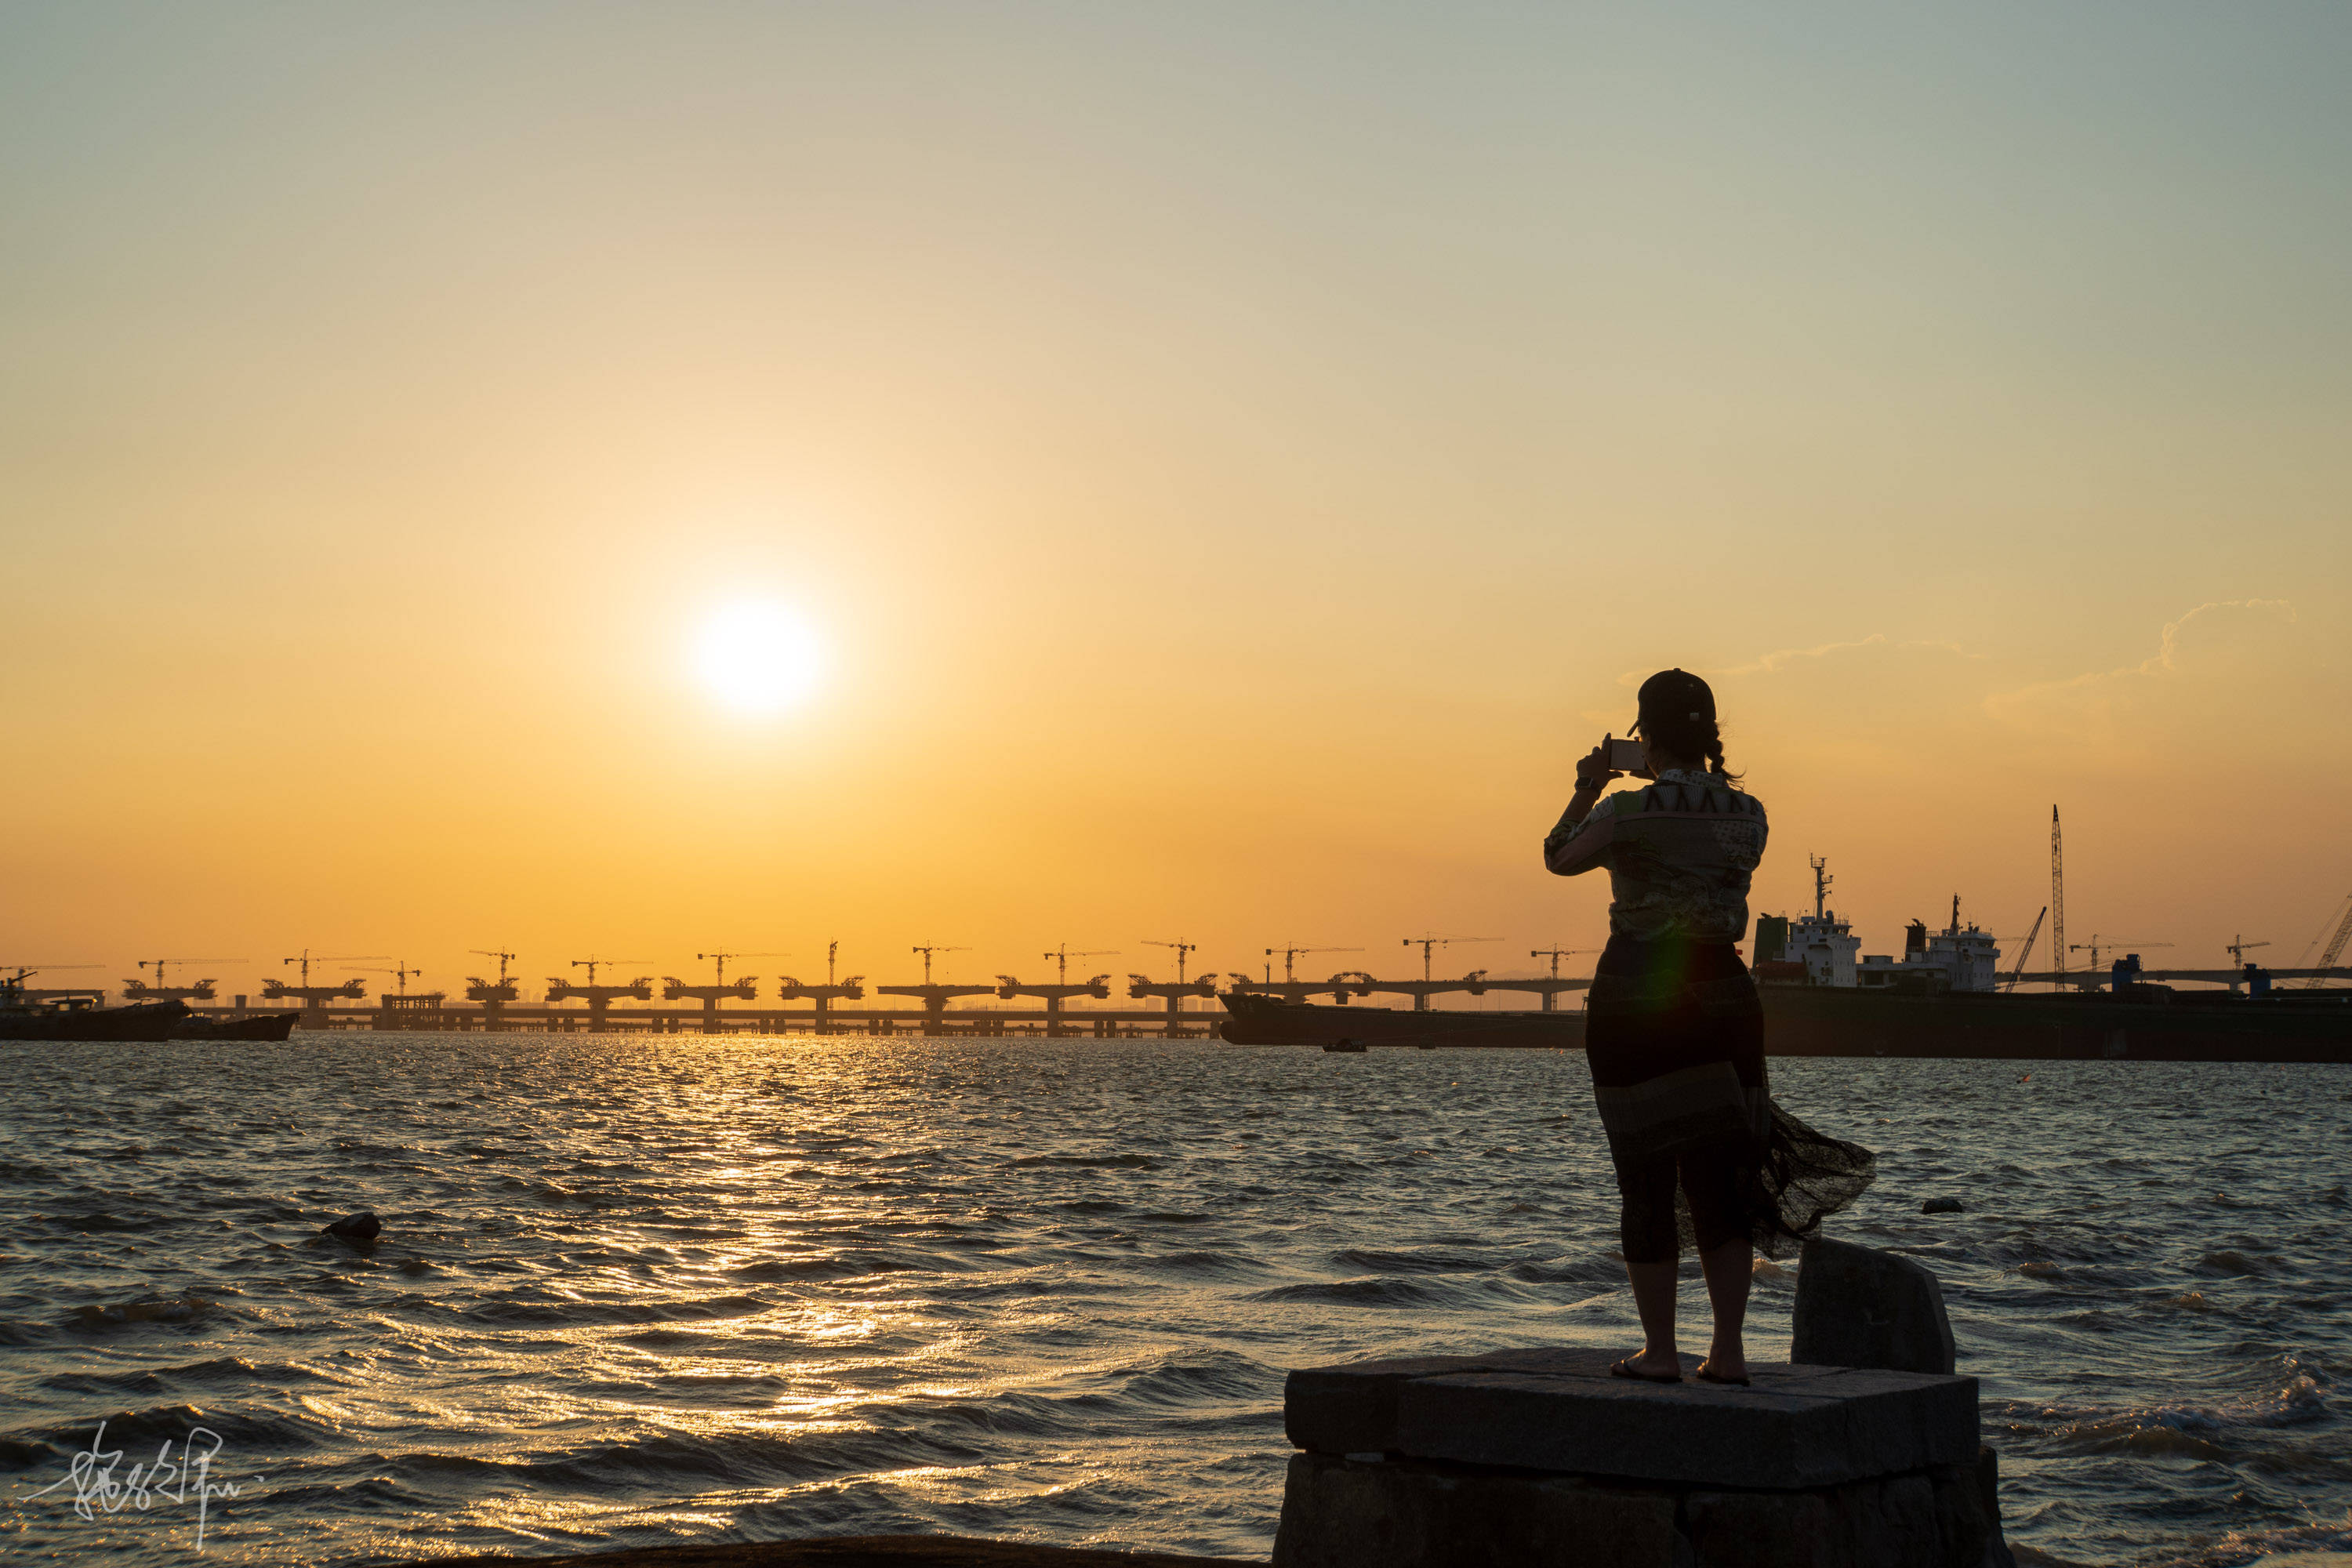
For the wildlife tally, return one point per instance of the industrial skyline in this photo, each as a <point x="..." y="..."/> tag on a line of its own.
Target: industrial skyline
<point x="1115" y="495"/>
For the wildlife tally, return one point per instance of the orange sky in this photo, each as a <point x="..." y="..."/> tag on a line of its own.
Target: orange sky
<point x="1235" y="459"/>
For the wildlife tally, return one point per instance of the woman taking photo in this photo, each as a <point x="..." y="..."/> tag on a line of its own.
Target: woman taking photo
<point x="1675" y="1033"/>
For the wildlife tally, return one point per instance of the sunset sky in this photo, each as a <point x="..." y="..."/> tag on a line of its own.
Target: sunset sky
<point x="1229" y="460"/>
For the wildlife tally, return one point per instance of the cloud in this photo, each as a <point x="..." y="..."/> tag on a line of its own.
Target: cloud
<point x="2095" y="696"/>
<point x="1768" y="663"/>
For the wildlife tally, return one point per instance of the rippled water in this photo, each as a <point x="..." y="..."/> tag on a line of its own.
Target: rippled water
<point x="638" y="1290"/>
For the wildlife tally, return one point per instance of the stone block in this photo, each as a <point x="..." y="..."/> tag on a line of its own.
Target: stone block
<point x="1788" y="1433"/>
<point x="1857" y="1306"/>
<point x="1337" y="1513"/>
<point x="1351" y="1409"/>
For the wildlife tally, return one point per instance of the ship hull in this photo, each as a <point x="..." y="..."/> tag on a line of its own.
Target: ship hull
<point x="265" y="1027"/>
<point x="148" y="1021"/>
<point x="1256" y="1020"/>
<point x="1821" y="1021"/>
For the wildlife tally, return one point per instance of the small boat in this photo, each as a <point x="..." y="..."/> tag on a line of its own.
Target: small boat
<point x="80" y="1017"/>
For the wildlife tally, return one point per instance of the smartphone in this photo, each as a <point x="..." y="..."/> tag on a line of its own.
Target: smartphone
<point x="1628" y="756"/>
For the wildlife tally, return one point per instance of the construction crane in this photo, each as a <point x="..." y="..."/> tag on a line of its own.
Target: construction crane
<point x="153" y="989"/>
<point x="1556" y="954"/>
<point x="600" y="998"/>
<point x="1144" y="988"/>
<point x="2110" y="944"/>
<point x="935" y="997"/>
<point x="1010" y="986"/>
<point x="2334" y="951"/>
<point x="719" y="959"/>
<point x="24" y="970"/>
<point x="2058" y="897"/>
<point x="927" y="952"/>
<point x="1428" y="944"/>
<point x="2237" y="950"/>
<point x="492" y="994"/>
<point x="400" y="971"/>
<point x="592" y="964"/>
<point x="1063" y="955"/>
<point x="2018" y="972"/>
<point x="403" y="1011"/>
<point x="822" y="997"/>
<point x="744" y="988"/>
<point x="315" y="997"/>
<point x="1183" y="951"/>
<point x="1290" y="956"/>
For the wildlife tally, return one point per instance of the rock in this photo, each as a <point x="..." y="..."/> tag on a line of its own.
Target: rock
<point x="1858" y="1307"/>
<point x="1942" y="1206"/>
<point x="360" y="1226"/>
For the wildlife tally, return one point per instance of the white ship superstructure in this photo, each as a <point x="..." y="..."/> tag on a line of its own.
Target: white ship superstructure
<point x="1957" y="958"/>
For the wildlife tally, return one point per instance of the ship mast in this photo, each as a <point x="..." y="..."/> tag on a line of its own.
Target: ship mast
<point x="1821" y="880"/>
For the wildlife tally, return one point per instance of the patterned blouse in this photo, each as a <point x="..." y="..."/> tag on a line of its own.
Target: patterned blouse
<point x="1680" y="852"/>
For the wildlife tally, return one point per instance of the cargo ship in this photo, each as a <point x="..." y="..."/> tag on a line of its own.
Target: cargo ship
<point x="1945" y="997"/>
<point x="24" y="1017"/>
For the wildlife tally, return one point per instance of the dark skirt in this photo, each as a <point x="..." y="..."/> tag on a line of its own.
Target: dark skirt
<point x="1674" y="1036"/>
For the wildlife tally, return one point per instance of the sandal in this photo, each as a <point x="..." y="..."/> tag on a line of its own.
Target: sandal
<point x="1706" y="1375"/>
<point x="1625" y="1369"/>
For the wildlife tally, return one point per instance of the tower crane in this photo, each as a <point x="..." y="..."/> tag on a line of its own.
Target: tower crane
<point x="1290" y="956"/>
<point x="402" y="1011"/>
<point x="1556" y="954"/>
<point x="1428" y="944"/>
<point x="2237" y="950"/>
<point x="2057" y="899"/>
<point x="600" y="998"/>
<point x="1063" y="955"/>
<point x="935" y="997"/>
<point x="936" y="947"/>
<point x="745" y="987"/>
<point x="1550" y="992"/>
<point x="315" y="997"/>
<point x="492" y="995"/>
<point x="150" y="987"/>
<point x="25" y="971"/>
<point x="822" y="997"/>
<point x="1183" y="951"/>
<point x="1142" y="986"/>
<point x="400" y="972"/>
<point x="2110" y="944"/>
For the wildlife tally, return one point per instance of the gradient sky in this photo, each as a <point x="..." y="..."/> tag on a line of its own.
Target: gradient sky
<point x="1236" y="456"/>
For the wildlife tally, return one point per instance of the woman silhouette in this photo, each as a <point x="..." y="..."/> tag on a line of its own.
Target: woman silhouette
<point x="1675" y="1033"/>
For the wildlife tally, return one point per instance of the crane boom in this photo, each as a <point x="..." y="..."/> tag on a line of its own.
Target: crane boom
<point x="2026" y="952"/>
<point x="2334" y="951"/>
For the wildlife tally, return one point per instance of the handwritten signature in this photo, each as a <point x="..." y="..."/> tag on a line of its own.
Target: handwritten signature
<point x="98" y="1489"/>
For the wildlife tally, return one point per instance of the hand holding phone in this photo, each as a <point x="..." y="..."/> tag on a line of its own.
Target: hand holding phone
<point x="1628" y="756"/>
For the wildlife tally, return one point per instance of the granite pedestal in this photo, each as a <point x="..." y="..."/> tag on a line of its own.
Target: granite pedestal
<point x="1539" y="1457"/>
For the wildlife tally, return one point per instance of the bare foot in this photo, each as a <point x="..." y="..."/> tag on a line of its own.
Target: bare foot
<point x="1725" y="1366"/>
<point x="1653" y="1367"/>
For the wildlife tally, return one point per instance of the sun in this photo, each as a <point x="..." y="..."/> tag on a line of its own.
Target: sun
<point x="758" y="658"/>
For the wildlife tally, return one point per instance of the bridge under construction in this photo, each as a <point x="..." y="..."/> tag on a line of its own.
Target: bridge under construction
<point x="843" y="1009"/>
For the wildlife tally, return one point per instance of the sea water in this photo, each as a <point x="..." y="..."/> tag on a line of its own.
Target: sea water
<point x="641" y="1290"/>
